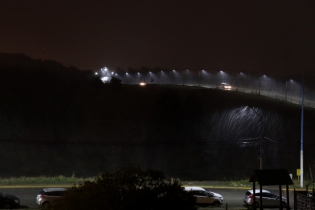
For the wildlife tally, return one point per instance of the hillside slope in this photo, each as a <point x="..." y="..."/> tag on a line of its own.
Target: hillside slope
<point x="53" y="123"/>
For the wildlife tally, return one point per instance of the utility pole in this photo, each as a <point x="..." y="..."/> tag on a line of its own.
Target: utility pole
<point x="302" y="135"/>
<point x="260" y="139"/>
<point x="261" y="150"/>
<point x="286" y="90"/>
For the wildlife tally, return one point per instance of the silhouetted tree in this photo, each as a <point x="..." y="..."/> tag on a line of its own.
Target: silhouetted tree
<point x="115" y="83"/>
<point x="130" y="188"/>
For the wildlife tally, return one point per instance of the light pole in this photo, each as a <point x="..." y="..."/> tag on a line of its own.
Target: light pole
<point x="237" y="80"/>
<point x="200" y="76"/>
<point x="161" y="77"/>
<point x="286" y="89"/>
<point x="218" y="74"/>
<point x="259" y="87"/>
<point x="302" y="136"/>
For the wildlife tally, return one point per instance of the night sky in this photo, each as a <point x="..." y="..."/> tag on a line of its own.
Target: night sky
<point x="259" y="36"/>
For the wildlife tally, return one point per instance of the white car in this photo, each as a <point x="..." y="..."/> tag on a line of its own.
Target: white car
<point x="268" y="199"/>
<point x="204" y="197"/>
<point x="225" y="86"/>
<point x="47" y="196"/>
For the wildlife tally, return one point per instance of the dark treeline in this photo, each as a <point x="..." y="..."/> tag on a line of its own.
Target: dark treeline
<point x="62" y="121"/>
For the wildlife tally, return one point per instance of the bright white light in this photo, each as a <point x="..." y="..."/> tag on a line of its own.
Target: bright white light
<point x="105" y="79"/>
<point x="142" y="84"/>
<point x="104" y="69"/>
<point x="225" y="86"/>
<point x="96" y="73"/>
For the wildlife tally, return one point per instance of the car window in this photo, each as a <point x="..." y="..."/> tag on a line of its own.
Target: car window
<point x="193" y="192"/>
<point x="248" y="193"/>
<point x="56" y="193"/>
<point x="203" y="193"/>
<point x="209" y="194"/>
<point x="199" y="193"/>
<point x="269" y="195"/>
<point x="48" y="193"/>
<point x="264" y="195"/>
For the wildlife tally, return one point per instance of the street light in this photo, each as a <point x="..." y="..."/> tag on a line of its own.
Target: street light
<point x="200" y="76"/>
<point x="218" y="74"/>
<point x="237" y="80"/>
<point x="161" y="76"/>
<point x="260" y="84"/>
<point x="286" y="89"/>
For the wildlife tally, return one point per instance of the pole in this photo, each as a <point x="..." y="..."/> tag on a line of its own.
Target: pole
<point x="259" y="87"/>
<point x="236" y="82"/>
<point x="261" y="153"/>
<point x="311" y="172"/>
<point x="286" y="90"/>
<point x="302" y="133"/>
<point x="261" y="149"/>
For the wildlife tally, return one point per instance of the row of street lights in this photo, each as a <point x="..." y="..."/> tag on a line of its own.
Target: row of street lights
<point x="202" y="78"/>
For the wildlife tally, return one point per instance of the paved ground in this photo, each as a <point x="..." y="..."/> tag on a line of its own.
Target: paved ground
<point x="233" y="198"/>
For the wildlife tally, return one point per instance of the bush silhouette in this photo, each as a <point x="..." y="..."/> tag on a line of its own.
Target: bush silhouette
<point x="129" y="188"/>
<point x="115" y="83"/>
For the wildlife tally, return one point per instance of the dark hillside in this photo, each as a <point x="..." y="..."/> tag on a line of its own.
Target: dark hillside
<point x="53" y="123"/>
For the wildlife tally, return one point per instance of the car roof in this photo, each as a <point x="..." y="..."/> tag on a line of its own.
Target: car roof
<point x="51" y="189"/>
<point x="194" y="188"/>
<point x="258" y="191"/>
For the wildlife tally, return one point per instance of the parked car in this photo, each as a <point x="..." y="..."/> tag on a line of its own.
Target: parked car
<point x="268" y="199"/>
<point x="47" y="196"/>
<point x="204" y="197"/>
<point x="225" y="86"/>
<point x="9" y="201"/>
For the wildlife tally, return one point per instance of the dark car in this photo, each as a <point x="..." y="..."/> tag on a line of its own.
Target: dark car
<point x="9" y="201"/>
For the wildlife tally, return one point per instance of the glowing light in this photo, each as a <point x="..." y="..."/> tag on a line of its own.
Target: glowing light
<point x="225" y="86"/>
<point x="105" y="79"/>
<point x="142" y="83"/>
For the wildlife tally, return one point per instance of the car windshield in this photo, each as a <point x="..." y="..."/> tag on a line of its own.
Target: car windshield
<point x="3" y="194"/>
<point x="211" y="193"/>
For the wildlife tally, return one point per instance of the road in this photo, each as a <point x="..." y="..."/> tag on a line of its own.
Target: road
<point x="232" y="197"/>
<point x="27" y="195"/>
